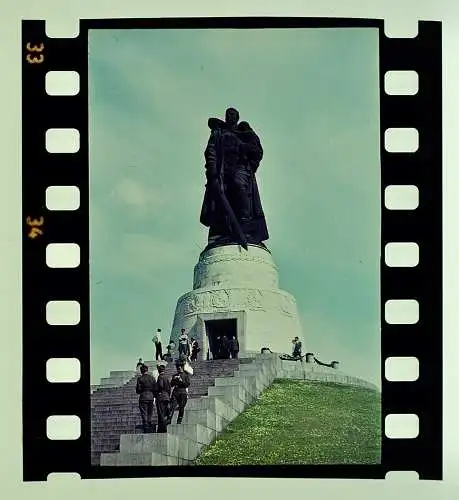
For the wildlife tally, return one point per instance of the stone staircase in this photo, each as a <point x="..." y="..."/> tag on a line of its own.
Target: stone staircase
<point x="234" y="387"/>
<point x="115" y="410"/>
<point x="219" y="392"/>
<point x="116" y="379"/>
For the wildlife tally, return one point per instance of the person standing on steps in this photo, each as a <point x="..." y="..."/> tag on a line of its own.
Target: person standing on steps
<point x="194" y="349"/>
<point x="146" y="388"/>
<point x="217" y="348"/>
<point x="225" y="348"/>
<point x="180" y="383"/>
<point x="163" y="391"/>
<point x="158" y="345"/>
<point x="184" y="344"/>
<point x="234" y="347"/>
<point x="138" y="365"/>
<point x="170" y="352"/>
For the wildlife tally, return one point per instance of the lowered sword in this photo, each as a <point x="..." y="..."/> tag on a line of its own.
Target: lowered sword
<point x="235" y="227"/>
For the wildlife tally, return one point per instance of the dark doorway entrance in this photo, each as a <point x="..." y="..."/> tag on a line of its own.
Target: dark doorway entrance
<point x="216" y="330"/>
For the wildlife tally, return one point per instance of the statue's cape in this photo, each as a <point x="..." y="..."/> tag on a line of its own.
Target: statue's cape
<point x="211" y="215"/>
<point x="241" y="127"/>
<point x="214" y="123"/>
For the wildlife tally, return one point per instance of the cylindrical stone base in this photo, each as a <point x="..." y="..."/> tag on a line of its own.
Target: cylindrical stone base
<point x="235" y="292"/>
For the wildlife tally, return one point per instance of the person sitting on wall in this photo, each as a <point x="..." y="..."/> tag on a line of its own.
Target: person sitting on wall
<point x="180" y="383"/>
<point x="296" y="348"/>
<point x="146" y="387"/>
<point x="163" y="390"/>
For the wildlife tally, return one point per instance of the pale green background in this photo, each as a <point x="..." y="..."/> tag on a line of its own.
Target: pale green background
<point x="313" y="96"/>
<point x="62" y="19"/>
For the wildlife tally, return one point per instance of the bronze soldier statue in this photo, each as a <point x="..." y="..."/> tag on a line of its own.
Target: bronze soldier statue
<point x="232" y="207"/>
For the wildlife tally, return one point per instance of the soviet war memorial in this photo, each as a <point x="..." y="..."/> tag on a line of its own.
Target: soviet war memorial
<point x="233" y="386"/>
<point x="236" y="378"/>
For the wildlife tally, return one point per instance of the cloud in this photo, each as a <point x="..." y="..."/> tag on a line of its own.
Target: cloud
<point x="136" y="197"/>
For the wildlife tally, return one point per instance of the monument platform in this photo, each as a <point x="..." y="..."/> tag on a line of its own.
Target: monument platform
<point x="236" y="292"/>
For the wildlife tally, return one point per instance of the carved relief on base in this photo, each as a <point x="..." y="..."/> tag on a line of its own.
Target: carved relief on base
<point x="237" y="299"/>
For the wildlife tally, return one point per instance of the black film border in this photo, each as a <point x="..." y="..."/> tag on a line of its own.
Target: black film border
<point x="40" y="170"/>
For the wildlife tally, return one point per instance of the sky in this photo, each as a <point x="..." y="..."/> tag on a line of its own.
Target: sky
<point x="312" y="95"/>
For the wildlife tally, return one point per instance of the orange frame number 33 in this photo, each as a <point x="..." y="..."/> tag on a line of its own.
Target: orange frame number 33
<point x="32" y="58"/>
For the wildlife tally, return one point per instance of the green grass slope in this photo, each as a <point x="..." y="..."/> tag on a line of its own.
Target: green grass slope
<point x="295" y="422"/>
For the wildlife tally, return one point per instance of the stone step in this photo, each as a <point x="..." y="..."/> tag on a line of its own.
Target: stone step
<point x="235" y="395"/>
<point x="107" y="445"/>
<point x="115" y="412"/>
<point x="137" y="459"/>
<point x="123" y="373"/>
<point x="134" y="402"/>
<point x="215" y="405"/>
<point x="109" y="434"/>
<point x="119" y="428"/>
<point x="196" y="432"/>
<point x="173" y="445"/>
<point x="132" y="395"/>
<point x="112" y="422"/>
<point x="195" y="380"/>
<point x="205" y="417"/>
<point x="249" y="383"/>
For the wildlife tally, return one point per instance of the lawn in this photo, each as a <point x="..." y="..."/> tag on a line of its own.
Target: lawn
<point x="296" y="422"/>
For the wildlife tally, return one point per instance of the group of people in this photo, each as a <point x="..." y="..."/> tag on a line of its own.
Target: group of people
<point x="225" y="348"/>
<point x="187" y="347"/>
<point x="222" y="347"/>
<point x="169" y="395"/>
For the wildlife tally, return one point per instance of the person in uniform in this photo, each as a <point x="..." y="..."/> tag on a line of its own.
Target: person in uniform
<point x="146" y="389"/>
<point x="163" y="391"/>
<point x="180" y="383"/>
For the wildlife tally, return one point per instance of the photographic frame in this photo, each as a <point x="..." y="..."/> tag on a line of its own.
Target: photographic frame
<point x="42" y="284"/>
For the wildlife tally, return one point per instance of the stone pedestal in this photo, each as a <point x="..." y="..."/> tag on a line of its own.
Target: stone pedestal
<point x="231" y="283"/>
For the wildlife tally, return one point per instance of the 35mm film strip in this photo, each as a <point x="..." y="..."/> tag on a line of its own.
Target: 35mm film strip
<point x="41" y="227"/>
